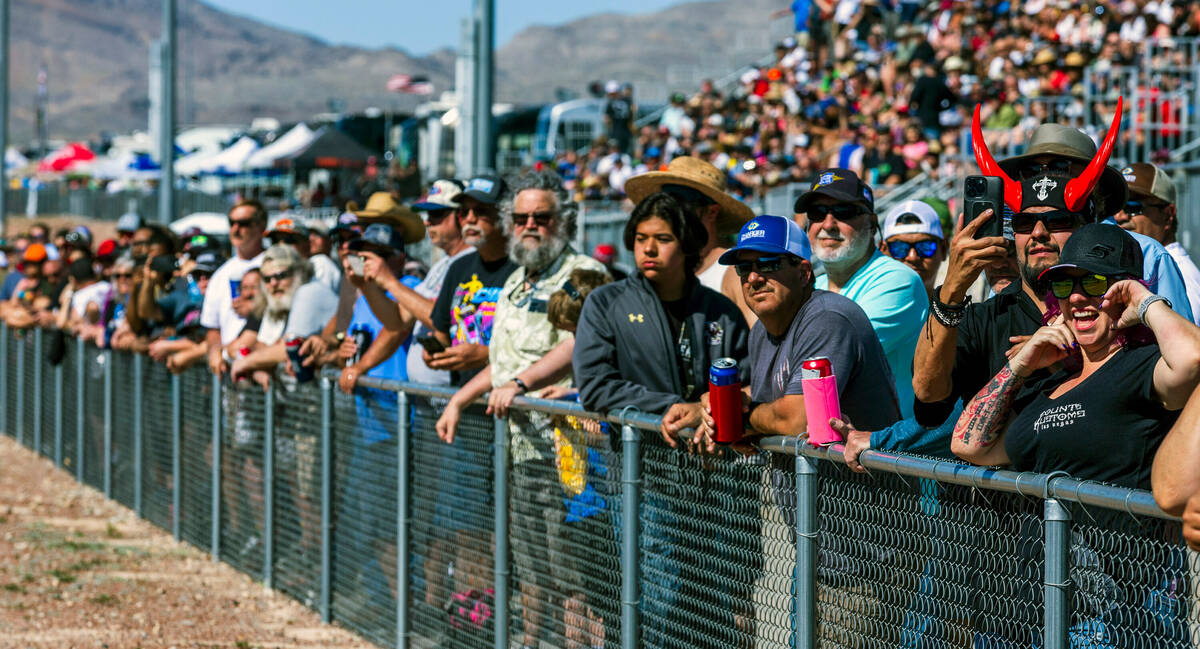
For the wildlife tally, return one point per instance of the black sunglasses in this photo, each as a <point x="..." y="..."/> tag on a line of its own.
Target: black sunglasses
<point x="1133" y="208"/>
<point x="1056" y="221"/>
<point x="1092" y="285"/>
<point x="280" y="276"/>
<point x="542" y="219"/>
<point x="925" y="249"/>
<point x="840" y="212"/>
<point x="763" y="265"/>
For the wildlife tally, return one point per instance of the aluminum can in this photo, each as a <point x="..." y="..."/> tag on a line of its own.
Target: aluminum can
<point x="816" y="368"/>
<point x="725" y="400"/>
<point x="292" y="344"/>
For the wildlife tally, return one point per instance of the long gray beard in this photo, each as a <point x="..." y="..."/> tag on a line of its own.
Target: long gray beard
<point x="537" y="258"/>
<point x="278" y="308"/>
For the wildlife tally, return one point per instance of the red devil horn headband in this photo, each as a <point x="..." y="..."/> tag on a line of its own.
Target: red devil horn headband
<point x="1077" y="191"/>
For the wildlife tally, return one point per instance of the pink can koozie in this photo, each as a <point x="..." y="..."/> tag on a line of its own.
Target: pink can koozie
<point x="820" y="400"/>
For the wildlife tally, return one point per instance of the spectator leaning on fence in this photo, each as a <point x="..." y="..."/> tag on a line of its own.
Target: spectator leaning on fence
<point x="527" y="353"/>
<point x="838" y="214"/>
<point x="1175" y="474"/>
<point x="466" y="306"/>
<point x="287" y="231"/>
<point x="700" y="189"/>
<point x="247" y="222"/>
<point x="1151" y="211"/>
<point x="1102" y="416"/>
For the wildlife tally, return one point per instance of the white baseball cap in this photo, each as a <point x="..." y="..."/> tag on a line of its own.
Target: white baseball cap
<point x="912" y="217"/>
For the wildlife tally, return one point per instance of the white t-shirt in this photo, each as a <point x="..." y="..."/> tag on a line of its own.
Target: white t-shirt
<point x="418" y="371"/>
<point x="217" y="312"/>
<point x="1191" y="277"/>
<point x="96" y="293"/>
<point x="326" y="271"/>
<point x="713" y="276"/>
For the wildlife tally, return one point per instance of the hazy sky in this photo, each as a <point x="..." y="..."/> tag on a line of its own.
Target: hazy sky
<point x="419" y="26"/>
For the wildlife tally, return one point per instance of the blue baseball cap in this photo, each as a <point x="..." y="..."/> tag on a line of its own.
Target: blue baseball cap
<point x="771" y="234"/>
<point x="380" y="235"/>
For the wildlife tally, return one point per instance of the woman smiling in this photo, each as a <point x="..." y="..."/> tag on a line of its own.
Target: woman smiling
<point x="1120" y="364"/>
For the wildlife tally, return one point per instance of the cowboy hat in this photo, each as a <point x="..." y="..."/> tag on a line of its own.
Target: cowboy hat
<point x="702" y="177"/>
<point x="381" y="207"/>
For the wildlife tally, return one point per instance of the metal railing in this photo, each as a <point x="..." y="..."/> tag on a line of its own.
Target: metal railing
<point x="561" y="528"/>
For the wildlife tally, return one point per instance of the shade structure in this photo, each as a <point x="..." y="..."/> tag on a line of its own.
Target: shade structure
<point x="285" y="145"/>
<point x="66" y="158"/>
<point x="213" y="223"/>
<point x="229" y="161"/>
<point x="330" y="149"/>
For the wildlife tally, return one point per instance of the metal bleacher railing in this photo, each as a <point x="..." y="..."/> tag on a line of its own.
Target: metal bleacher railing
<point x="596" y="533"/>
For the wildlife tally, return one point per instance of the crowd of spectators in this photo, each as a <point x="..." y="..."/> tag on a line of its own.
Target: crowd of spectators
<point x="887" y="89"/>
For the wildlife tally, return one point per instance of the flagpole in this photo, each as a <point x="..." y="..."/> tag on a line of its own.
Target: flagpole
<point x="166" y="133"/>
<point x="484" y="158"/>
<point x="4" y="115"/>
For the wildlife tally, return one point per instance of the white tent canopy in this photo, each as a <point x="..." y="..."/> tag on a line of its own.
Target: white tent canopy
<point x="230" y="161"/>
<point x="213" y="223"/>
<point x="13" y="158"/>
<point x="285" y="145"/>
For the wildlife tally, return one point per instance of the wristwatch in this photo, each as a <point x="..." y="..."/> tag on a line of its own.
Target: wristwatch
<point x="521" y="384"/>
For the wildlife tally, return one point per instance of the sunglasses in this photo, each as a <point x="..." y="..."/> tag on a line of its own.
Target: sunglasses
<point x="242" y="223"/>
<point x="434" y="217"/>
<point x="280" y="276"/>
<point x="1134" y="208"/>
<point x="762" y="265"/>
<point x="900" y="249"/>
<point x="816" y="213"/>
<point x="1056" y="221"/>
<point x="1091" y="285"/>
<point x="541" y="219"/>
<point x="122" y="275"/>
<point x="480" y="212"/>
<point x="1056" y="167"/>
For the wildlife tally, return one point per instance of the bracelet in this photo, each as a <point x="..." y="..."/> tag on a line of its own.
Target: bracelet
<point x="520" y="384"/>
<point x="1145" y="306"/>
<point x="950" y="316"/>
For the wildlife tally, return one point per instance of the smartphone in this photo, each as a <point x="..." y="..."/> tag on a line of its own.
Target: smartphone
<point x="356" y="264"/>
<point x="981" y="193"/>
<point x="431" y="344"/>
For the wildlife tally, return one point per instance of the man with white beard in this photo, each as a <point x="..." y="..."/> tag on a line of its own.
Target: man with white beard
<point x="527" y="353"/>
<point x="838" y="214"/>
<point x="297" y="305"/>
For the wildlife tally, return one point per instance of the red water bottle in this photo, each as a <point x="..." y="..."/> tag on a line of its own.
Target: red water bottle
<point x="725" y="400"/>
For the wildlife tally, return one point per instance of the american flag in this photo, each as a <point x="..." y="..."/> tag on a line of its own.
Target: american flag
<point x="415" y="85"/>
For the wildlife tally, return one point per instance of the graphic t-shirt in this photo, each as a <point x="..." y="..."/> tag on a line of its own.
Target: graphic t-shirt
<point x="466" y="305"/>
<point x="1107" y="428"/>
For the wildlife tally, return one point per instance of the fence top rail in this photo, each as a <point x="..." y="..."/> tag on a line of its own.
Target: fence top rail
<point x="1033" y="485"/>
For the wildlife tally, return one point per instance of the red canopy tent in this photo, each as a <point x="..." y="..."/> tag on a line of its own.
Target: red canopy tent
<point x="67" y="157"/>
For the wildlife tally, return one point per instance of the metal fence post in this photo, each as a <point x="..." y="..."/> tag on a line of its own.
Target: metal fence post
<point x="176" y="452"/>
<point x="326" y="492"/>
<point x="138" y="366"/>
<point x="631" y="496"/>
<point x="402" y="520"/>
<point x="59" y="373"/>
<point x="269" y="486"/>
<point x="37" y="389"/>
<point x="805" y="619"/>
<point x="20" y="400"/>
<point x="108" y="432"/>
<point x="4" y="336"/>
<point x="80" y="392"/>
<point x="500" y="484"/>
<point x="215" y="533"/>
<point x="1058" y="573"/>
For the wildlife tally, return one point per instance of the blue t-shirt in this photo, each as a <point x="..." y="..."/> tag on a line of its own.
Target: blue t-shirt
<point x="1162" y="273"/>
<point x="376" y="409"/>
<point x="10" y="285"/>
<point x="895" y="301"/>
<point x="800" y="10"/>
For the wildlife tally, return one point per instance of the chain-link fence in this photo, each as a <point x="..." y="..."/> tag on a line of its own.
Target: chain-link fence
<point x="559" y="528"/>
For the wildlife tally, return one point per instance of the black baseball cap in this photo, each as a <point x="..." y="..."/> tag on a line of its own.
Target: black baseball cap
<point x="838" y="184"/>
<point x="1099" y="248"/>
<point x="485" y="188"/>
<point x="208" y="261"/>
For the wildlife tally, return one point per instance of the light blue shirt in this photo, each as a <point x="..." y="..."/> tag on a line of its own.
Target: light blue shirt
<point x="895" y="301"/>
<point x="1161" y="272"/>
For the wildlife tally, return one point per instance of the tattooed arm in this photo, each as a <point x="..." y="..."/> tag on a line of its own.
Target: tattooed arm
<point x="980" y="430"/>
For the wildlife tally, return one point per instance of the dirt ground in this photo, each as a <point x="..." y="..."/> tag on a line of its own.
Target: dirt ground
<point x="77" y="570"/>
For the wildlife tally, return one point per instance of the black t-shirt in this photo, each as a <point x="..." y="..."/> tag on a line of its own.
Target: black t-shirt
<point x="982" y="341"/>
<point x="678" y="313"/>
<point x="931" y="96"/>
<point x="618" y="111"/>
<point x="1107" y="428"/>
<point x="887" y="163"/>
<point x="466" y="305"/>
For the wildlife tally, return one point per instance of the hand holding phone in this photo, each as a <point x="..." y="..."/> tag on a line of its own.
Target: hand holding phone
<point x="356" y="265"/>
<point x="431" y="344"/>
<point x="981" y="193"/>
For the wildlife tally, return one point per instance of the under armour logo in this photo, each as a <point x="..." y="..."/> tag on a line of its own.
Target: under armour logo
<point x="1043" y="187"/>
<point x="637" y="317"/>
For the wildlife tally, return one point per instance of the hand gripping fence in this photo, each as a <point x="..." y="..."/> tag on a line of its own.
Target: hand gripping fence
<point x="556" y="527"/>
